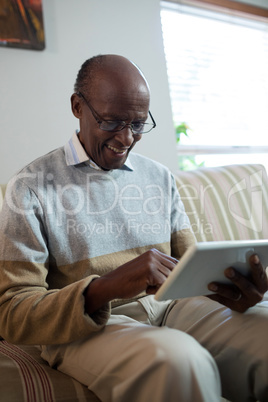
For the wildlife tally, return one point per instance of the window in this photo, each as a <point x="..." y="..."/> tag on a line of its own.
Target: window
<point x="218" y="75"/>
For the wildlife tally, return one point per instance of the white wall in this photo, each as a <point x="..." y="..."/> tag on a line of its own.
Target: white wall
<point x="35" y="114"/>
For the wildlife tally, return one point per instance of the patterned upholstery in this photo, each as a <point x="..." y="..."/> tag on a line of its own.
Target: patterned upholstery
<point x="226" y="203"/>
<point x="26" y="377"/>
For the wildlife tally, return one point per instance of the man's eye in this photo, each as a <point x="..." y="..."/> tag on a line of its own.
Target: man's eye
<point x="110" y="124"/>
<point x="138" y="126"/>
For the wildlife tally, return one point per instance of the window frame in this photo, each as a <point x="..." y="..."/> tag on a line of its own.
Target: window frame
<point x="228" y="7"/>
<point x="237" y="9"/>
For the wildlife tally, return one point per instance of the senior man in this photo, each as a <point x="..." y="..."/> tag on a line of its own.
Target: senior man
<point x="89" y="232"/>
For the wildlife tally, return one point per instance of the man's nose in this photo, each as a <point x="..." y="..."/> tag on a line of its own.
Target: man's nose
<point x="125" y="136"/>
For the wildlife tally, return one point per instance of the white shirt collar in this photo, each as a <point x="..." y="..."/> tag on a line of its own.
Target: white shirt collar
<point x="75" y="154"/>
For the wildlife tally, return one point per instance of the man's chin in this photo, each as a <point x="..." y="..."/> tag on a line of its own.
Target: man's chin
<point x="115" y="163"/>
<point x="113" y="166"/>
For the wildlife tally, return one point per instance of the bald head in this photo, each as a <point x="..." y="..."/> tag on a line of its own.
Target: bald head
<point x="117" y="69"/>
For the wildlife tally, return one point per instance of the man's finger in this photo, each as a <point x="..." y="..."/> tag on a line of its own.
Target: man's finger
<point x="258" y="273"/>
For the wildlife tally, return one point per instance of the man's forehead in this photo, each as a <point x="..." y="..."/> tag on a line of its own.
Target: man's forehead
<point x="113" y="85"/>
<point x="123" y="76"/>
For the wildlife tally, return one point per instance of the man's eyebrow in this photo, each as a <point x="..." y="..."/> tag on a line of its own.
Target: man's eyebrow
<point x="117" y="117"/>
<point x="114" y="117"/>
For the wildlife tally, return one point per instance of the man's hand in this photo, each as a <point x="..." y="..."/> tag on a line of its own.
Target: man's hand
<point x="245" y="292"/>
<point x="145" y="273"/>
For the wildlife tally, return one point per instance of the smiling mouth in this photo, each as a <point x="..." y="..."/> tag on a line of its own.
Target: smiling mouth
<point x="116" y="150"/>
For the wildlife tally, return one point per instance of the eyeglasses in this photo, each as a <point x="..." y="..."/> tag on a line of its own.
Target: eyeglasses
<point x="137" y="127"/>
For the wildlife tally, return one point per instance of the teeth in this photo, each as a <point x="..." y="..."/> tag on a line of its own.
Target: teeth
<point x="118" y="151"/>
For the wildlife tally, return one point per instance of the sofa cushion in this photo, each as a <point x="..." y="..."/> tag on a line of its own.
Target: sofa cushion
<point x="226" y="203"/>
<point x="26" y="377"/>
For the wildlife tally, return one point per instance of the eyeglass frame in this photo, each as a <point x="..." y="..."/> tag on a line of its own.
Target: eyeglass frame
<point x="99" y="120"/>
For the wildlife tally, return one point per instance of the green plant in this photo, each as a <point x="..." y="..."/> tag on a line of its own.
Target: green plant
<point x="186" y="162"/>
<point x="181" y="128"/>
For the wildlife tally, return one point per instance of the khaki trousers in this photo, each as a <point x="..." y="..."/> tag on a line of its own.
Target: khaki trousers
<point x="174" y="351"/>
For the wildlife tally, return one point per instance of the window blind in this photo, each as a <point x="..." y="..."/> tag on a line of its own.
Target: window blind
<point x="217" y="69"/>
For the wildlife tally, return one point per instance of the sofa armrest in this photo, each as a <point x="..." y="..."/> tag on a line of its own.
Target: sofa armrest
<point x="226" y="203"/>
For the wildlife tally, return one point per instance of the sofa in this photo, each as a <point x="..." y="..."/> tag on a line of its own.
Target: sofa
<point x="223" y="203"/>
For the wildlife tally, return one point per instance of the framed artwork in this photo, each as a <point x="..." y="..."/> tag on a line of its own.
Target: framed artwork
<point x="21" y="24"/>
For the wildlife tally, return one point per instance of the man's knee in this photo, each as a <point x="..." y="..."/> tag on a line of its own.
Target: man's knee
<point x="178" y="353"/>
<point x="177" y="366"/>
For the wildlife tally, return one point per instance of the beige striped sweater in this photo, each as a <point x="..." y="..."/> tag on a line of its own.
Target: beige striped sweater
<point x="64" y="224"/>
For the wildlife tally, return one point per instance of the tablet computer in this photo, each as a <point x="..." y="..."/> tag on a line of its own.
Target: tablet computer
<point x="205" y="262"/>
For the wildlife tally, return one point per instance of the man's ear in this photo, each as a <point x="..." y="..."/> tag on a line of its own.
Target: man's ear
<point x="76" y="105"/>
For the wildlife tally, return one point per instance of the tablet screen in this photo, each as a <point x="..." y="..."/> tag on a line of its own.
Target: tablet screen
<point x="205" y="262"/>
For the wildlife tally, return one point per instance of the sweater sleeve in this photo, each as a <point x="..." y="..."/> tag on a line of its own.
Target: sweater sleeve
<point x="182" y="236"/>
<point x="31" y="312"/>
